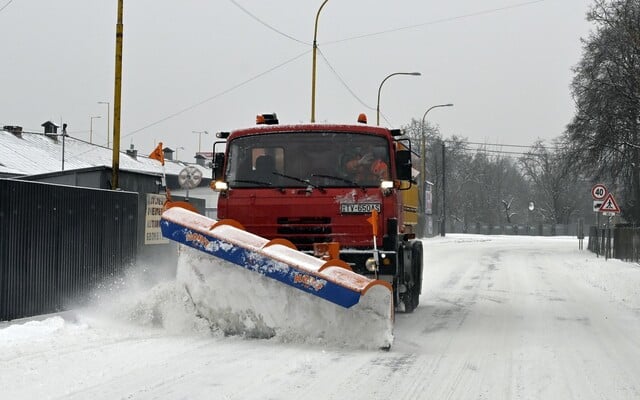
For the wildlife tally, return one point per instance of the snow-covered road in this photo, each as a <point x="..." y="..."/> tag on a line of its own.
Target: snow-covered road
<point x="500" y="318"/>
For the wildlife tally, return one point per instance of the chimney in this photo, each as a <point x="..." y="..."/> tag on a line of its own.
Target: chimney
<point x="200" y="159"/>
<point x="50" y="130"/>
<point x="16" y="130"/>
<point x="168" y="154"/>
<point x="133" y="153"/>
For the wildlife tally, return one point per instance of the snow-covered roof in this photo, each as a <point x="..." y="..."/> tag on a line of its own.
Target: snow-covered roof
<point x="37" y="153"/>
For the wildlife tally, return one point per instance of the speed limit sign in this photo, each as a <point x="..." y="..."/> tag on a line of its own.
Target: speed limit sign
<point x="599" y="191"/>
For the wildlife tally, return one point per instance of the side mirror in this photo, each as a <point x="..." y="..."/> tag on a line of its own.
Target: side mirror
<point x="216" y="165"/>
<point x="403" y="164"/>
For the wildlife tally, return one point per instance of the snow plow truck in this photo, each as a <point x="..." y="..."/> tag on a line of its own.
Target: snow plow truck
<point x="300" y="205"/>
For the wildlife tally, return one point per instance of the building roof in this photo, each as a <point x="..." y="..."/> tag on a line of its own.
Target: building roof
<point x="37" y="153"/>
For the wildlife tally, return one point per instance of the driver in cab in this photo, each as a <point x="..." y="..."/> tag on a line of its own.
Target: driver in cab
<point x="366" y="166"/>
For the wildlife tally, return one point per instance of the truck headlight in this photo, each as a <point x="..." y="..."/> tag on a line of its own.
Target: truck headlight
<point x="220" y="186"/>
<point x="386" y="187"/>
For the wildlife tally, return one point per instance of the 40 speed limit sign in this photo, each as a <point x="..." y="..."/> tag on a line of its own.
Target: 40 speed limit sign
<point x="599" y="191"/>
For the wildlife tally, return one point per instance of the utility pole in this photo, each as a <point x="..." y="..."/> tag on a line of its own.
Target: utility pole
<point x="108" y="118"/>
<point x="313" y="64"/>
<point x="444" y="207"/>
<point x="64" y="133"/>
<point x="423" y="166"/>
<point x="115" y="165"/>
<point x="91" y="128"/>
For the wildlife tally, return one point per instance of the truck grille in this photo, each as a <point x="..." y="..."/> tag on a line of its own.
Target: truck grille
<point x="304" y="231"/>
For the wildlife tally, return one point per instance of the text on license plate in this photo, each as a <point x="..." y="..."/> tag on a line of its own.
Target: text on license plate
<point x="359" y="208"/>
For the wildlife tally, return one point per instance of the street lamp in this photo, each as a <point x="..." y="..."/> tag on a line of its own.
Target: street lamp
<point x="313" y="71"/>
<point x="108" y="112"/>
<point x="91" y="129"/>
<point x="531" y="207"/>
<point x="178" y="148"/>
<point x="380" y="88"/>
<point x="423" y="164"/>
<point x="200" y="138"/>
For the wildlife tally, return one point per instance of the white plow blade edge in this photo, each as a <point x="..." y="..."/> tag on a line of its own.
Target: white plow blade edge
<point x="284" y="293"/>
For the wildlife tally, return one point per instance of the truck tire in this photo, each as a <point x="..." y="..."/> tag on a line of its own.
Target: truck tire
<point x="416" y="273"/>
<point x="398" y="280"/>
<point x="417" y="259"/>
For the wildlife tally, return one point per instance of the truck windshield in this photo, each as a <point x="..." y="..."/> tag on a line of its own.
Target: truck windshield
<point x="302" y="159"/>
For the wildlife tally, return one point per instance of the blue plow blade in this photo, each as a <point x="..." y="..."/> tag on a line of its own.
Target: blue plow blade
<point x="276" y="259"/>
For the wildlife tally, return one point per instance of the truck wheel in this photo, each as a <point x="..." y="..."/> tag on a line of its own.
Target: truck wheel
<point x="398" y="280"/>
<point x="411" y="297"/>
<point x="416" y="272"/>
<point x="410" y="303"/>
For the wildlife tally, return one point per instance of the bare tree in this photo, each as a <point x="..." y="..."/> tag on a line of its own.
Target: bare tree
<point x="555" y="182"/>
<point x="604" y="136"/>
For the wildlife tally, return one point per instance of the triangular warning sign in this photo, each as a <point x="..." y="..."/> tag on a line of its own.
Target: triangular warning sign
<point x="609" y="204"/>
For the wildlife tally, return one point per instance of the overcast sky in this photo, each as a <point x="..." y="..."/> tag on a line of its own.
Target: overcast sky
<point x="213" y="65"/>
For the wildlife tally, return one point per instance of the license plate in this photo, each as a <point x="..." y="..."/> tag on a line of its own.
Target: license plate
<point x="359" y="208"/>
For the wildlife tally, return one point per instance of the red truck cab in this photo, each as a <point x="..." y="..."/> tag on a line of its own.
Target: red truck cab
<point x="298" y="182"/>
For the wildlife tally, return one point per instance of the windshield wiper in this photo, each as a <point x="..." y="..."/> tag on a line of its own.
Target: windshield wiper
<point x="259" y="183"/>
<point x="305" y="181"/>
<point x="339" y="178"/>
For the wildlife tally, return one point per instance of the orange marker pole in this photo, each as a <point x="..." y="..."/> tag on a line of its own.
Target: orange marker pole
<point x="373" y="220"/>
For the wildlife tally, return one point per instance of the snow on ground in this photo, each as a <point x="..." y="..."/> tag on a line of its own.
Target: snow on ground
<point x="500" y="318"/>
<point x="236" y="300"/>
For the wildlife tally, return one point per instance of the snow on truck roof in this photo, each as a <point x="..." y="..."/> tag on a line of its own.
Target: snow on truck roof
<point x="347" y="128"/>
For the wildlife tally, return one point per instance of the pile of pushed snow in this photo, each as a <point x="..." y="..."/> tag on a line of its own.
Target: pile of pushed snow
<point x="215" y="297"/>
<point x="140" y="300"/>
<point x="241" y="302"/>
<point x="32" y="331"/>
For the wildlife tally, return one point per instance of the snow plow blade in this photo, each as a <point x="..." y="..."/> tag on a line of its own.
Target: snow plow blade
<point x="285" y="291"/>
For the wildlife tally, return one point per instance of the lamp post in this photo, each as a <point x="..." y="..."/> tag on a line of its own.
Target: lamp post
<point x="423" y="164"/>
<point x="91" y="129"/>
<point x="108" y="118"/>
<point x="178" y="148"/>
<point x="200" y="138"/>
<point x="313" y="71"/>
<point x="531" y="207"/>
<point x="380" y="88"/>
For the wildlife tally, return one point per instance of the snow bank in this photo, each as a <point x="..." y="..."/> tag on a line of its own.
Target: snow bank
<point x="241" y="302"/>
<point x="216" y="298"/>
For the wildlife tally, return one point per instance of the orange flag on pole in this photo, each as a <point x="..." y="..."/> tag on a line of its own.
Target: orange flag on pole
<point x="373" y="220"/>
<point x="158" y="154"/>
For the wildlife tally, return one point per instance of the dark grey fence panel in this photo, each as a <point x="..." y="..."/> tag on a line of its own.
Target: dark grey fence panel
<point x="514" y="229"/>
<point x="58" y="242"/>
<point x="626" y="241"/>
<point x="621" y="242"/>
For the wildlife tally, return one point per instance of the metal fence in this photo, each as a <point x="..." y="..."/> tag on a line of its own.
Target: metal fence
<point x="621" y="242"/>
<point x="626" y="241"/>
<point x="600" y="241"/>
<point x="515" y="229"/>
<point x="58" y="242"/>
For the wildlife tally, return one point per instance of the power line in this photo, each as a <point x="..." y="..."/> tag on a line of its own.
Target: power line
<point x="349" y="89"/>
<point x="235" y="3"/>
<point x="438" y="21"/>
<point x="511" y="145"/>
<point x="498" y="144"/>
<point x="495" y="151"/>
<point x="191" y="107"/>
<point x="5" y="6"/>
<point x="503" y="152"/>
<point x="343" y="82"/>
<point x="479" y="13"/>
<point x="175" y="114"/>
